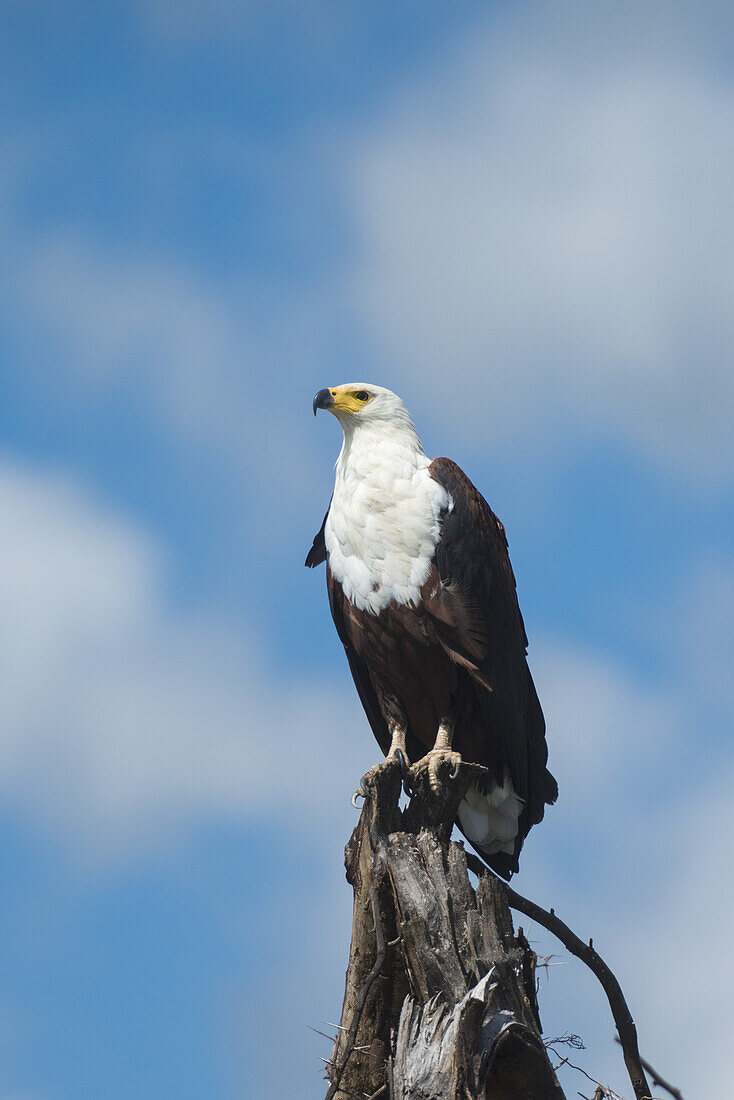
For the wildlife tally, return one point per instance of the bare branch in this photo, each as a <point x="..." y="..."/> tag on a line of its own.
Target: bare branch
<point x="586" y="952"/>
<point x="657" y="1079"/>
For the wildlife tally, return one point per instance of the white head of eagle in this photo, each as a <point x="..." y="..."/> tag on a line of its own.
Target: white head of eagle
<point x="423" y="597"/>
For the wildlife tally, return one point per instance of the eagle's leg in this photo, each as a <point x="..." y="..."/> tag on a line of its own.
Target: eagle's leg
<point x="397" y="744"/>
<point x="441" y="753"/>
<point x="397" y="754"/>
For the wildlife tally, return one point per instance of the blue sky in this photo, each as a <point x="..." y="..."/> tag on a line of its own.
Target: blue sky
<point x="519" y="217"/>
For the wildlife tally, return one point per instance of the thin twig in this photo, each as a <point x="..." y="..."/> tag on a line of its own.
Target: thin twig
<point x="316" y="1031"/>
<point x="657" y="1079"/>
<point x="569" y="1040"/>
<point x="606" y="1091"/>
<point x="621" y="1013"/>
<point x="380" y="1092"/>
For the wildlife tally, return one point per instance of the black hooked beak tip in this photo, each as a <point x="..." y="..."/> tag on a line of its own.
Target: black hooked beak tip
<point x="322" y="400"/>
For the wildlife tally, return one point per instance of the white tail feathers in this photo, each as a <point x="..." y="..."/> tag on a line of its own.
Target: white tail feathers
<point x="491" y="820"/>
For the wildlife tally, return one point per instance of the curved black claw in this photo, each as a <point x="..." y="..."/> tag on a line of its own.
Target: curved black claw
<point x="449" y="779"/>
<point x="404" y="770"/>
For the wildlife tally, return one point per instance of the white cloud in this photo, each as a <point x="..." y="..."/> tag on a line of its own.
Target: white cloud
<point x="123" y="719"/>
<point x="212" y="364"/>
<point x="677" y="950"/>
<point x="144" y="320"/>
<point x="546" y="251"/>
<point x="547" y="234"/>
<point x="601" y="720"/>
<point x="696" y="627"/>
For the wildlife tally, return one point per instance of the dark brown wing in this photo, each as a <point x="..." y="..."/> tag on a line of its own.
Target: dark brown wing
<point x="473" y="563"/>
<point x="317" y="553"/>
<point x="357" y="666"/>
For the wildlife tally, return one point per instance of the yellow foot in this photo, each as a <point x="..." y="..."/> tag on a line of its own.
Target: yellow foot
<point x="438" y="759"/>
<point x="394" y="759"/>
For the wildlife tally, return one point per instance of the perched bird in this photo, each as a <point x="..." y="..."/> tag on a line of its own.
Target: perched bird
<point x="423" y="597"/>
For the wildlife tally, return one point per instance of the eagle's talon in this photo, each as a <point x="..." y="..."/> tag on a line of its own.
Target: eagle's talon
<point x="405" y="772"/>
<point x="432" y="763"/>
<point x="395" y="758"/>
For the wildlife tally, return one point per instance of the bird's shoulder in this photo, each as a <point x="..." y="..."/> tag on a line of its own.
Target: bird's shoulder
<point x="470" y="516"/>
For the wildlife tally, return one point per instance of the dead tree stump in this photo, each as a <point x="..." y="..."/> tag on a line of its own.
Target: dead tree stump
<point x="439" y="1002"/>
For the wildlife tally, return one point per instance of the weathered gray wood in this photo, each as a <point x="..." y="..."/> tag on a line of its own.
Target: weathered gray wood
<point x="439" y="999"/>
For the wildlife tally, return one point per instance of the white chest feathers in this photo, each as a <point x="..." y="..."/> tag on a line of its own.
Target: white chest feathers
<point x="384" y="521"/>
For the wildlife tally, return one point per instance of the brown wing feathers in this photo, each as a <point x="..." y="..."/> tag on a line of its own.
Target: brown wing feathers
<point x="472" y="552"/>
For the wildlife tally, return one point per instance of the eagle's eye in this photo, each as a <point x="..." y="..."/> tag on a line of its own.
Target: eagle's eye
<point x="362" y="395"/>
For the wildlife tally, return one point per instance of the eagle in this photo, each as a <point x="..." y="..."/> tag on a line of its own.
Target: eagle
<point x="424" y="601"/>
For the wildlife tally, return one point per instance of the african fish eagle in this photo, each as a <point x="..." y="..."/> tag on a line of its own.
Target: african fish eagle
<point x="423" y="597"/>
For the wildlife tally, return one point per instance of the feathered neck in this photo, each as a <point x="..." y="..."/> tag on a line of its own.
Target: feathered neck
<point x="381" y="442"/>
